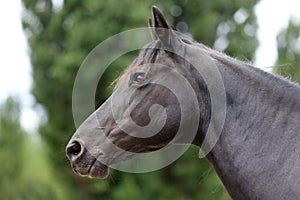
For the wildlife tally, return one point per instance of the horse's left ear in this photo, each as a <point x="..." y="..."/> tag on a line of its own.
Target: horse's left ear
<point x="159" y="19"/>
<point x="161" y="29"/>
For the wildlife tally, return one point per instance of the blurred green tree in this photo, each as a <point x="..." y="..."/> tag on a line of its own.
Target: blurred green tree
<point x="11" y="144"/>
<point x="25" y="171"/>
<point x="60" y="37"/>
<point x="288" y="47"/>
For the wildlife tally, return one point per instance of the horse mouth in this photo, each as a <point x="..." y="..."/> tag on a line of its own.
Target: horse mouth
<point x="95" y="170"/>
<point x="98" y="170"/>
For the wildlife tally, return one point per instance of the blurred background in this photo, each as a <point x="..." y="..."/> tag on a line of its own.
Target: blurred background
<point x="44" y="42"/>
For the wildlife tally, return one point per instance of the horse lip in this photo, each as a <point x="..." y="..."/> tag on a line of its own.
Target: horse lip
<point x="97" y="170"/>
<point x="92" y="164"/>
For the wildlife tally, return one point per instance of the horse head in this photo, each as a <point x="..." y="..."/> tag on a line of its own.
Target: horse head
<point x="145" y="111"/>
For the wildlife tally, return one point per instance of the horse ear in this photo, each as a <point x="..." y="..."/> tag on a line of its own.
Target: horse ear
<point x="151" y="28"/>
<point x="160" y="29"/>
<point x="159" y="19"/>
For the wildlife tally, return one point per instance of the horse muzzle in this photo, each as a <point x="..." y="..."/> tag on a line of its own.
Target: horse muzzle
<point x="83" y="163"/>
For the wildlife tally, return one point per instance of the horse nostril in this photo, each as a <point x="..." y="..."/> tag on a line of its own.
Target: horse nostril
<point x="73" y="149"/>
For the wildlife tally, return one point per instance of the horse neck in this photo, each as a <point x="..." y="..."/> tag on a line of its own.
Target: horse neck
<point x="260" y="133"/>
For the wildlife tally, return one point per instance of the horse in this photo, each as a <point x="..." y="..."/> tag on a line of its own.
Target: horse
<point x="257" y="153"/>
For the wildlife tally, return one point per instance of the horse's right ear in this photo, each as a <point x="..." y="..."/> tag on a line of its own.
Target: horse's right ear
<point x="151" y="28"/>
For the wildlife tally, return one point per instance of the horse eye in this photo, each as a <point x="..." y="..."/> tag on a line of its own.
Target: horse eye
<point x="139" y="77"/>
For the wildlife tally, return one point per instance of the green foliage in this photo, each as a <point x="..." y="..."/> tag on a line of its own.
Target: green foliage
<point x="288" y="42"/>
<point x="25" y="171"/>
<point x="10" y="155"/>
<point x="61" y="39"/>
